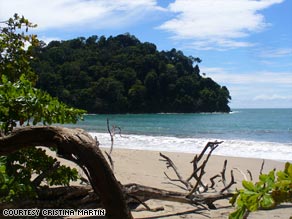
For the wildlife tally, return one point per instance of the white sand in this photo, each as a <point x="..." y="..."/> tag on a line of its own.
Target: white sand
<point x="144" y="167"/>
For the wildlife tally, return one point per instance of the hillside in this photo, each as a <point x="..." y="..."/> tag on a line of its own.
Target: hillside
<point x="123" y="75"/>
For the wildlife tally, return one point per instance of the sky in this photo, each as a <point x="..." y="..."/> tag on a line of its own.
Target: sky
<point x="245" y="45"/>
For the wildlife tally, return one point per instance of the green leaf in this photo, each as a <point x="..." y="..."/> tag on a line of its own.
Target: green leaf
<point x="263" y="177"/>
<point x="234" y="198"/>
<point x="265" y="194"/>
<point x="238" y="214"/>
<point x="248" y="185"/>
<point x="282" y="175"/>
<point x="289" y="169"/>
<point x="267" y="202"/>
<point x="251" y="201"/>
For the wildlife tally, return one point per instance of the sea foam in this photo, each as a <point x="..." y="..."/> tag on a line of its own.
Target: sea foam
<point x="234" y="148"/>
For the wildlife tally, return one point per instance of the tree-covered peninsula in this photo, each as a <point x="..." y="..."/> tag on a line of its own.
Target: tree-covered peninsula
<point x="123" y="75"/>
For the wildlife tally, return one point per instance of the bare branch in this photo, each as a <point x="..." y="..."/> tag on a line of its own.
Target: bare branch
<point x="197" y="183"/>
<point x="223" y="173"/>
<point x="179" y="186"/>
<point x="232" y="182"/>
<point x="241" y="172"/>
<point x="212" y="179"/>
<point x="112" y="133"/>
<point x="208" y="145"/>
<point x="145" y="205"/>
<point x="96" y="142"/>
<point x="170" y="164"/>
<point x="213" y="146"/>
<point x="250" y="175"/>
<point x="149" y="209"/>
<point x="262" y="167"/>
<point x="110" y="160"/>
<point x="120" y="130"/>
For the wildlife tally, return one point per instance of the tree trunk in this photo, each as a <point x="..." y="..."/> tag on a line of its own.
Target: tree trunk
<point x="80" y="147"/>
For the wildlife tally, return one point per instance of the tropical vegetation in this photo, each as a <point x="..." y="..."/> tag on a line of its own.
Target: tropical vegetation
<point x="123" y="75"/>
<point x="21" y="104"/>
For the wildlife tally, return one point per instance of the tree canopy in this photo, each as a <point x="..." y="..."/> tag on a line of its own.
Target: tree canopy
<point x="123" y="75"/>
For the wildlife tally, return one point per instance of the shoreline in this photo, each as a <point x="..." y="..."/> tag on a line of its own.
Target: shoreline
<point x="220" y="156"/>
<point x="231" y="148"/>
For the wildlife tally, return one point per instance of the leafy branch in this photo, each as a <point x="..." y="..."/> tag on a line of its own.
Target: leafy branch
<point x="267" y="193"/>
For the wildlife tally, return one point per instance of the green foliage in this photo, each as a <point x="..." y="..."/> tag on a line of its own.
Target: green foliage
<point x="12" y="189"/>
<point x="22" y="104"/>
<point x="265" y="194"/>
<point x="122" y="75"/>
<point x="18" y="169"/>
<point x="15" y="58"/>
<point x="34" y="161"/>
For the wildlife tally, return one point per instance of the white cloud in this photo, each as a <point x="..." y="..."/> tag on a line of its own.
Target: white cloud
<point x="217" y="23"/>
<point x="275" y="53"/>
<point x="254" y="89"/>
<point x="272" y="97"/>
<point x="47" y="40"/>
<point x="74" y="13"/>
<point x="222" y="75"/>
<point x="218" y="44"/>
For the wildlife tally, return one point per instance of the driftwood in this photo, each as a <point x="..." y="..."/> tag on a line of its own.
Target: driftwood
<point x="105" y="191"/>
<point x="198" y="172"/>
<point x="145" y="193"/>
<point x="194" y="191"/>
<point x="85" y="197"/>
<point x="79" y="147"/>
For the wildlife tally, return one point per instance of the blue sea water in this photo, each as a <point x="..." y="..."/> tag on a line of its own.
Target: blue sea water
<point x="259" y="133"/>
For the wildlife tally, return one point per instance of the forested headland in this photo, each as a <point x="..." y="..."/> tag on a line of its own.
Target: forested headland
<point x="123" y="75"/>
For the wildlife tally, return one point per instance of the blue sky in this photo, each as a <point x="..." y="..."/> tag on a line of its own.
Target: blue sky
<point x="245" y="45"/>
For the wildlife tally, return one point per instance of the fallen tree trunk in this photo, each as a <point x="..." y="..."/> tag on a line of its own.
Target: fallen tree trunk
<point x="78" y="146"/>
<point x="84" y="197"/>
<point x="145" y="193"/>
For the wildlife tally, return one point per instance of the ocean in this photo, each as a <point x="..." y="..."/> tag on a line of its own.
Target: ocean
<point x="256" y="133"/>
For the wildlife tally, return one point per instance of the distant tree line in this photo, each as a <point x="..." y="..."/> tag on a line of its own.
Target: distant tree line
<point x="123" y="75"/>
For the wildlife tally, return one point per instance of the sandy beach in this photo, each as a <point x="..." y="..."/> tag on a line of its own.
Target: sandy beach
<point x="144" y="167"/>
